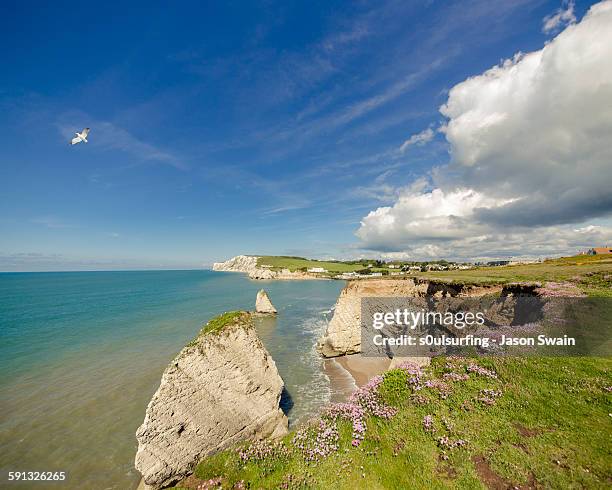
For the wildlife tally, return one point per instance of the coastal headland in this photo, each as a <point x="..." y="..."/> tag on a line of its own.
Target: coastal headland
<point x="453" y="422"/>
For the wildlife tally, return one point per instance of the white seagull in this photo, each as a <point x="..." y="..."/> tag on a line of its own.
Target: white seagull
<point x="82" y="136"/>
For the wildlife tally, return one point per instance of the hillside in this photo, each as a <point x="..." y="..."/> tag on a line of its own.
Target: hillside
<point x="501" y="423"/>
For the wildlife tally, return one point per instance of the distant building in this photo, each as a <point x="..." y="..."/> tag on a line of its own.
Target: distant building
<point x="376" y="274"/>
<point x="600" y="251"/>
<point x="523" y="261"/>
<point x="497" y="263"/>
<point x="316" y="269"/>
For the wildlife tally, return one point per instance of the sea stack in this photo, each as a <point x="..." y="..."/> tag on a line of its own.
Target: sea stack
<point x="222" y="388"/>
<point x="263" y="303"/>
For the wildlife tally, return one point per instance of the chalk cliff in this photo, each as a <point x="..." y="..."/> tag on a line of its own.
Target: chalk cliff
<point x="248" y="265"/>
<point x="220" y="389"/>
<point x="263" y="303"/>
<point x="240" y="263"/>
<point x="343" y="334"/>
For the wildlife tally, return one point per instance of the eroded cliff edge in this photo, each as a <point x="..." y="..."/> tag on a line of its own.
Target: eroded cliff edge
<point x="222" y="388"/>
<point x="343" y="334"/>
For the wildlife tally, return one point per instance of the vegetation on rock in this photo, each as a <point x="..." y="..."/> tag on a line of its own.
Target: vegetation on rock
<point x="219" y="323"/>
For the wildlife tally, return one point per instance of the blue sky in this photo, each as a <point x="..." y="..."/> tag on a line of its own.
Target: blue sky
<point x="233" y="127"/>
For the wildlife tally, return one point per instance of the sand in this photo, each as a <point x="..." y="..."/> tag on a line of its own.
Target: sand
<point x="362" y="369"/>
<point x="347" y="373"/>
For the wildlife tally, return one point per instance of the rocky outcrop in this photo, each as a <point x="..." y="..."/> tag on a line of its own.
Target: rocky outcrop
<point x="220" y="389"/>
<point x="343" y="334"/>
<point x="263" y="303"/>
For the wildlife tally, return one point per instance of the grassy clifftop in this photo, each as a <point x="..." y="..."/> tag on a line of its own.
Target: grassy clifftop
<point x="588" y="271"/>
<point x="297" y="263"/>
<point x="499" y="423"/>
<point x="591" y="273"/>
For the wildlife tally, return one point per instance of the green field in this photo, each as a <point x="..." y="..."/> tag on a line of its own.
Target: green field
<point x="544" y="424"/>
<point x="299" y="263"/>
<point x="592" y="273"/>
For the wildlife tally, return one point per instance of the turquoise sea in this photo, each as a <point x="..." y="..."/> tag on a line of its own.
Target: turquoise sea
<point x="81" y="353"/>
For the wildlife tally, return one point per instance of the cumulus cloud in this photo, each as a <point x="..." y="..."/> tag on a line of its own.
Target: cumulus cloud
<point x="537" y="127"/>
<point x="467" y="240"/>
<point x="530" y="149"/>
<point x="421" y="214"/>
<point x="562" y="17"/>
<point x="418" y="139"/>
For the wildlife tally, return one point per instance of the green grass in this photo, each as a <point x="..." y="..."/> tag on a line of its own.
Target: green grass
<point x="550" y="428"/>
<point x="298" y="263"/>
<point x="588" y="271"/>
<point x="217" y="324"/>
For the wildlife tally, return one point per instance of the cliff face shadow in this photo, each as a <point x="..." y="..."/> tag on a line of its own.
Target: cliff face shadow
<point x="286" y="402"/>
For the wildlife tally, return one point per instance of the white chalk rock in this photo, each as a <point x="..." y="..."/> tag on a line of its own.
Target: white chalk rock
<point x="263" y="303"/>
<point x="220" y="389"/>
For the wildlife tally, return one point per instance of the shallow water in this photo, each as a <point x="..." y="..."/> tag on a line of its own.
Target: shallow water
<point x="81" y="353"/>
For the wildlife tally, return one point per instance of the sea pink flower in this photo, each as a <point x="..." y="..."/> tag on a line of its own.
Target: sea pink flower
<point x="428" y="423"/>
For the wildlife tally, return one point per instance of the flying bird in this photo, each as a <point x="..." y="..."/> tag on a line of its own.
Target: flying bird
<point x="82" y="136"/>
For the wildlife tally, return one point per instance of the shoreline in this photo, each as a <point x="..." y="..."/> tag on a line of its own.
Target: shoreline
<point x="362" y="369"/>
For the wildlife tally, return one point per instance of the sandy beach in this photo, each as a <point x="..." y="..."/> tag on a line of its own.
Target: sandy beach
<point x="347" y="373"/>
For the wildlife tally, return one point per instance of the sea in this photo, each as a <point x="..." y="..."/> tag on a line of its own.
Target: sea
<point x="81" y="354"/>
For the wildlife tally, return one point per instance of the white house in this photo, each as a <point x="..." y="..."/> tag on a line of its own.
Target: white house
<point x="316" y="269"/>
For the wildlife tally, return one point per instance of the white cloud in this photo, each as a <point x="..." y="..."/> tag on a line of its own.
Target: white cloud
<point x="421" y="214"/>
<point x="588" y="229"/>
<point x="418" y="139"/>
<point x="356" y="32"/>
<point x="530" y="155"/>
<point x="369" y="104"/>
<point x="537" y="128"/>
<point x="562" y="17"/>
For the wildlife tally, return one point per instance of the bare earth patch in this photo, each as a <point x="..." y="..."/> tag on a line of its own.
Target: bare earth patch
<point x="493" y="481"/>
<point x="525" y="432"/>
